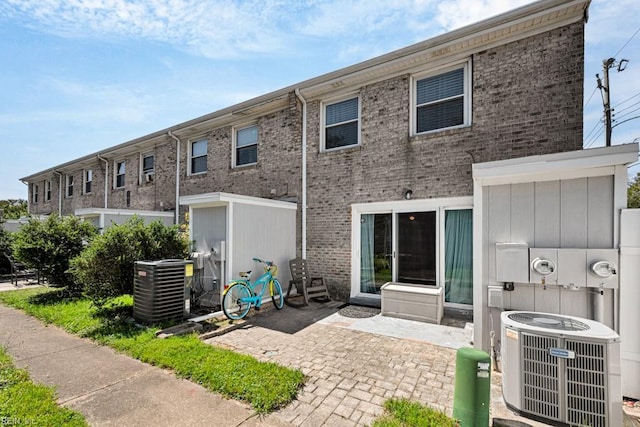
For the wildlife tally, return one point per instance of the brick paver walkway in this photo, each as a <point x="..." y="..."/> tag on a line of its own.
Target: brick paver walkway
<point x="350" y="373"/>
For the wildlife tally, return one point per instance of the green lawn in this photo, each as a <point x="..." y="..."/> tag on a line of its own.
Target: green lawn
<point x="25" y="403"/>
<point x="266" y="386"/>
<point x="403" y="412"/>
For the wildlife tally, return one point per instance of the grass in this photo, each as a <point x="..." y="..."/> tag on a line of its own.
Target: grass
<point x="23" y="402"/>
<point x="266" y="386"/>
<point x="403" y="412"/>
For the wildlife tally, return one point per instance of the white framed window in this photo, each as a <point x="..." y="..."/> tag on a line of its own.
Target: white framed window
<point x="245" y="146"/>
<point x="147" y="167"/>
<point x="88" y="180"/>
<point x="47" y="190"/>
<point x="119" y="174"/>
<point x="341" y="124"/>
<point x="34" y="193"/>
<point x="69" y="186"/>
<point x="198" y="157"/>
<point x="441" y="100"/>
<point x="426" y="242"/>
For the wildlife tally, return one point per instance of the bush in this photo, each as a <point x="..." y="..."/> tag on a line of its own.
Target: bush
<point x="5" y="246"/>
<point x="49" y="245"/>
<point x="105" y="268"/>
<point x="633" y="192"/>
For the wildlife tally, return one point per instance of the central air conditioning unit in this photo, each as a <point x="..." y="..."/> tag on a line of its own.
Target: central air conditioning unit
<point x="562" y="370"/>
<point x="162" y="290"/>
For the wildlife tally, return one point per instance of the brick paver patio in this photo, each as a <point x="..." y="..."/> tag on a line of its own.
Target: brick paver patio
<point x="350" y="373"/>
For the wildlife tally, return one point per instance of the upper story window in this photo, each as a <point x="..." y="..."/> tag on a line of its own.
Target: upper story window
<point x="69" y="187"/>
<point x="198" y="156"/>
<point x="47" y="190"/>
<point x="342" y="124"/>
<point x="88" y="180"/>
<point x="147" y="166"/>
<point x="246" y="149"/>
<point x="120" y="169"/>
<point x="34" y="193"/>
<point x="442" y="101"/>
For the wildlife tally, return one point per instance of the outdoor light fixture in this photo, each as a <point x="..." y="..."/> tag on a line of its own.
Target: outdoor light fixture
<point x="408" y="194"/>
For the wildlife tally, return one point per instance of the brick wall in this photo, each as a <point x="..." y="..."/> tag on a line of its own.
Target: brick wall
<point x="527" y="100"/>
<point x="156" y="195"/>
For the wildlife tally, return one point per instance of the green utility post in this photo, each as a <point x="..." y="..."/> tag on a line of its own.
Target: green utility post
<point x="471" y="395"/>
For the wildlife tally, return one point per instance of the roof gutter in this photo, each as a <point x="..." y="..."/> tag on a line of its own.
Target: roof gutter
<point x="304" y="172"/>
<point x="177" y="209"/>
<point x="106" y="179"/>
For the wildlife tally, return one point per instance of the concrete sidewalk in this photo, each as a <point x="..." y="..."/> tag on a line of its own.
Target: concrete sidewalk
<point x="112" y="389"/>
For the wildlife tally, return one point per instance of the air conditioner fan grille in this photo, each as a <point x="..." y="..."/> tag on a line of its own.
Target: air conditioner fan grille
<point x="549" y="321"/>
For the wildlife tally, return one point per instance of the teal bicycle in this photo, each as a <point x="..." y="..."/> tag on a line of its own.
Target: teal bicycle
<point x="240" y="295"/>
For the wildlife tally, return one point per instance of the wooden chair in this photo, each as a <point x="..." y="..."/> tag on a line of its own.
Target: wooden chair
<point x="306" y="286"/>
<point x="19" y="270"/>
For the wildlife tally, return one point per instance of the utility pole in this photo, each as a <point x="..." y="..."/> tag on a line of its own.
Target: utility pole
<point x="606" y="99"/>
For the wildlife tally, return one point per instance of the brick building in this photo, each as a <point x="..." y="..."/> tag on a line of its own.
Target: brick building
<point x="377" y="155"/>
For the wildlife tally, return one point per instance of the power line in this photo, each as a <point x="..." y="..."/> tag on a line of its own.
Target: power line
<point x="599" y="122"/>
<point x="625" y="45"/>
<point x="628" y="120"/>
<point x="592" y="93"/>
<point x="619" y="116"/>
<point x="627" y="100"/>
<point x="594" y="138"/>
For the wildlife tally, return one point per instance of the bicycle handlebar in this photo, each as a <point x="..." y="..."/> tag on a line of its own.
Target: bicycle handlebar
<point x="264" y="262"/>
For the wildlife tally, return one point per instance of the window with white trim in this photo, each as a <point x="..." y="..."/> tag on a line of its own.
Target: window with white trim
<point x="88" y="180"/>
<point x="69" y="186"/>
<point x="47" y="190"/>
<point x="198" y="154"/>
<point x="34" y="193"/>
<point x="246" y="146"/>
<point x="342" y="124"/>
<point x="147" y="166"/>
<point x="442" y="101"/>
<point x="120" y="170"/>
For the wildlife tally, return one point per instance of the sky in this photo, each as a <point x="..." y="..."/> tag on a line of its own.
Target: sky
<point x="79" y="76"/>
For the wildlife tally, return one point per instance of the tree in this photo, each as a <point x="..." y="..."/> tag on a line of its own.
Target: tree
<point x="49" y="245"/>
<point x="105" y="267"/>
<point x="14" y="208"/>
<point x="633" y="193"/>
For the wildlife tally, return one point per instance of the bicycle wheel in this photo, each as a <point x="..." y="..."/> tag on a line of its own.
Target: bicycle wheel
<point x="276" y="294"/>
<point x="232" y="305"/>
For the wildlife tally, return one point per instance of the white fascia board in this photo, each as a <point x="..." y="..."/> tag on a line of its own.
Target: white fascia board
<point x="87" y="212"/>
<point x="573" y="164"/>
<point x="220" y="199"/>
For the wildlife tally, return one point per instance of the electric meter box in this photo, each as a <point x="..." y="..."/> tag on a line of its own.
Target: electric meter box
<point x="572" y="267"/>
<point x="543" y="265"/>
<point x="512" y="262"/>
<point x="602" y="268"/>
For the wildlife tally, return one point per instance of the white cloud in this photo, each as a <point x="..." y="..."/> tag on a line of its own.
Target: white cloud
<point x="213" y="28"/>
<point x="458" y="13"/>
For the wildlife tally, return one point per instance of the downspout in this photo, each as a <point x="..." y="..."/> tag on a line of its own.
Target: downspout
<point x="59" y="192"/>
<point x="177" y="140"/>
<point x="304" y="172"/>
<point x="106" y="179"/>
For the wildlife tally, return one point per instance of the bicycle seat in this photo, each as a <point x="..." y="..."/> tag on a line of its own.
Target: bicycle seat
<point x="245" y="274"/>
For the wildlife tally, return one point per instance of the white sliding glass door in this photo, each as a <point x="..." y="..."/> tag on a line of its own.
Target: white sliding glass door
<point x="424" y="242"/>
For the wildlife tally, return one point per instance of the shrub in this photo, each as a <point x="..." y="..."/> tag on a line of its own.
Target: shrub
<point x="633" y="192"/>
<point x="5" y="246"/>
<point x="49" y="245"/>
<point x="105" y="268"/>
